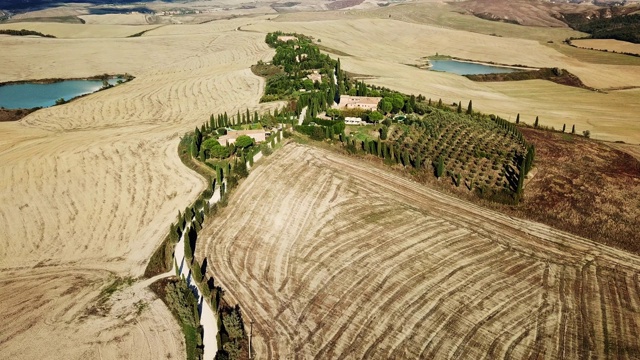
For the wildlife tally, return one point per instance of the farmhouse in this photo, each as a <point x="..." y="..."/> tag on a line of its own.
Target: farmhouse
<point x="285" y="38"/>
<point x="359" y="102"/>
<point x="257" y="135"/>
<point x="315" y="76"/>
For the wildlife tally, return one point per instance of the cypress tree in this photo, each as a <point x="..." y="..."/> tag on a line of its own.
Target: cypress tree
<point x="440" y="167"/>
<point x="564" y="127"/>
<point x="470" y="108"/>
<point x="440" y="103"/>
<point x="195" y="270"/>
<point x="188" y="251"/>
<point x="535" y="124"/>
<point x="194" y="148"/>
<point x="418" y="164"/>
<point x="405" y="159"/>
<point x="518" y="119"/>
<point x="521" y="175"/>
<point x="459" y="107"/>
<point x="573" y="129"/>
<point x="531" y="151"/>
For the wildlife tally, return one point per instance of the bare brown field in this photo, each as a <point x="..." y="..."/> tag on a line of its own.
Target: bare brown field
<point x="585" y="187"/>
<point x="339" y="259"/>
<point x="609" y="45"/>
<point x="528" y="13"/>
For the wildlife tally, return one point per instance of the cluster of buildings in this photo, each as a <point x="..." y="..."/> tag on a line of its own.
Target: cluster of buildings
<point x="315" y="76"/>
<point x="369" y="103"/>
<point x="258" y="135"/>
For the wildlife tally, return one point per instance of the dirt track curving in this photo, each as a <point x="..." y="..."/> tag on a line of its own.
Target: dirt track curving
<point x="342" y="259"/>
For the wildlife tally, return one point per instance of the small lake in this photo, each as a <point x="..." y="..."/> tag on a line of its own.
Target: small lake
<point x="31" y="95"/>
<point x="466" y="68"/>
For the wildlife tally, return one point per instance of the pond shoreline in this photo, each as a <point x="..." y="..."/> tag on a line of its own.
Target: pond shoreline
<point x="7" y="115"/>
<point x="125" y="77"/>
<point x="491" y="63"/>
<point x="428" y="64"/>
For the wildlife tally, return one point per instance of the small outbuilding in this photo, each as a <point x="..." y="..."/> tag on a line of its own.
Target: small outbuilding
<point x="258" y="135"/>
<point x="359" y="102"/>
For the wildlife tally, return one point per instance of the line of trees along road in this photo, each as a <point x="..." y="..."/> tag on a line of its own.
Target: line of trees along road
<point x="223" y="178"/>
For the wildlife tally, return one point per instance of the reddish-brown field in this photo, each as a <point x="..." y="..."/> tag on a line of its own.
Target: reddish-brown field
<point x="331" y="257"/>
<point x="585" y="187"/>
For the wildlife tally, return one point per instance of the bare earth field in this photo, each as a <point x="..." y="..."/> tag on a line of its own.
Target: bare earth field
<point x="608" y="44"/>
<point x="342" y="259"/>
<point x="585" y="187"/>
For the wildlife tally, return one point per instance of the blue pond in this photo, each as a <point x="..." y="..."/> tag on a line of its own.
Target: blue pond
<point x="465" y="68"/>
<point x="31" y="95"/>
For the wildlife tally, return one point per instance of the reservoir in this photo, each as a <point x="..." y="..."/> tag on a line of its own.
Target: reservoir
<point x="467" y="68"/>
<point x="31" y="95"/>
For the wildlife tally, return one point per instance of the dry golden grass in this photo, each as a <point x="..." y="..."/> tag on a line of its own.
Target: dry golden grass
<point x="608" y="44"/>
<point x="90" y="188"/>
<point x="116" y="19"/>
<point x="79" y="31"/>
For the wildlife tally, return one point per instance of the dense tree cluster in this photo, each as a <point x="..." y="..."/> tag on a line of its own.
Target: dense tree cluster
<point x="298" y="59"/>
<point x="624" y="27"/>
<point x="24" y="32"/>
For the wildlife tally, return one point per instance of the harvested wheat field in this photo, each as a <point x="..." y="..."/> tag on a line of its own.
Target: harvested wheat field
<point x="340" y="259"/>
<point x="90" y="188"/>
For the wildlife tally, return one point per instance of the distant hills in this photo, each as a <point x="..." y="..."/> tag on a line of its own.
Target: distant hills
<point x="20" y="6"/>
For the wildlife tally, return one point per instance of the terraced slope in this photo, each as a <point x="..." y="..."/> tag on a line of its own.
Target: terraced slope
<point x="332" y="258"/>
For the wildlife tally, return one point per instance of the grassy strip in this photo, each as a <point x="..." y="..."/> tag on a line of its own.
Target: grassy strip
<point x="183" y="304"/>
<point x="101" y="307"/>
<point x="162" y="259"/>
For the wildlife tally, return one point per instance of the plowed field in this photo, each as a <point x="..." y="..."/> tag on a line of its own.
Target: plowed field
<point x="333" y="258"/>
